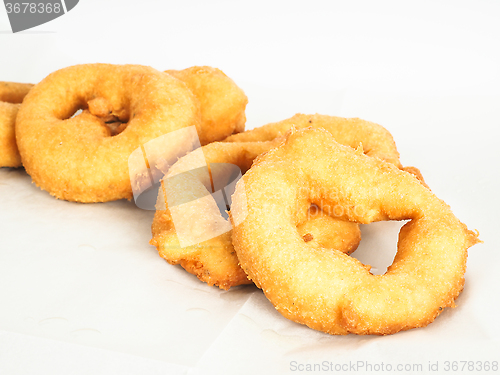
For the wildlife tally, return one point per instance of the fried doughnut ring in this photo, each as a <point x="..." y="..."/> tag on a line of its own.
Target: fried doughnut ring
<point x="77" y="158"/>
<point x="209" y="252"/>
<point x="11" y="95"/>
<point x="213" y="260"/>
<point x="222" y="102"/>
<point x="376" y="140"/>
<point x="327" y="290"/>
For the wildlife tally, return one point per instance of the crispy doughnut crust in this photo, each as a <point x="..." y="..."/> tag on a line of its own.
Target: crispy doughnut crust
<point x="214" y="260"/>
<point x="327" y="290"/>
<point x="13" y="92"/>
<point x="76" y="158"/>
<point x="11" y="95"/>
<point x="222" y="102"/>
<point x="9" y="155"/>
<point x="376" y="140"/>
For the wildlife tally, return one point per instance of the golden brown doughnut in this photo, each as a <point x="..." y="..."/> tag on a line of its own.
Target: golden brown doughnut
<point x="11" y="95"/>
<point x="325" y="289"/>
<point x="77" y="157"/>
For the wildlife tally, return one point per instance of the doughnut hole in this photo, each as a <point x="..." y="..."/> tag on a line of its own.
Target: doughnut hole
<point x="379" y="245"/>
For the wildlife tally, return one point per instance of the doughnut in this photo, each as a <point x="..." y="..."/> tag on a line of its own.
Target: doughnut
<point x="222" y="102"/>
<point x="376" y="140"/>
<point x="207" y="251"/>
<point x="198" y="236"/>
<point x="326" y="289"/>
<point x="84" y="156"/>
<point x="11" y="95"/>
<point x="13" y="92"/>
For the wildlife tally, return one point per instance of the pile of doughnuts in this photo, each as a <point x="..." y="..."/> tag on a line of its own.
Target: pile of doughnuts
<point x="278" y="206"/>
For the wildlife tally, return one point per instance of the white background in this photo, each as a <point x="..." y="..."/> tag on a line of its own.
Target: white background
<point x="81" y="291"/>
